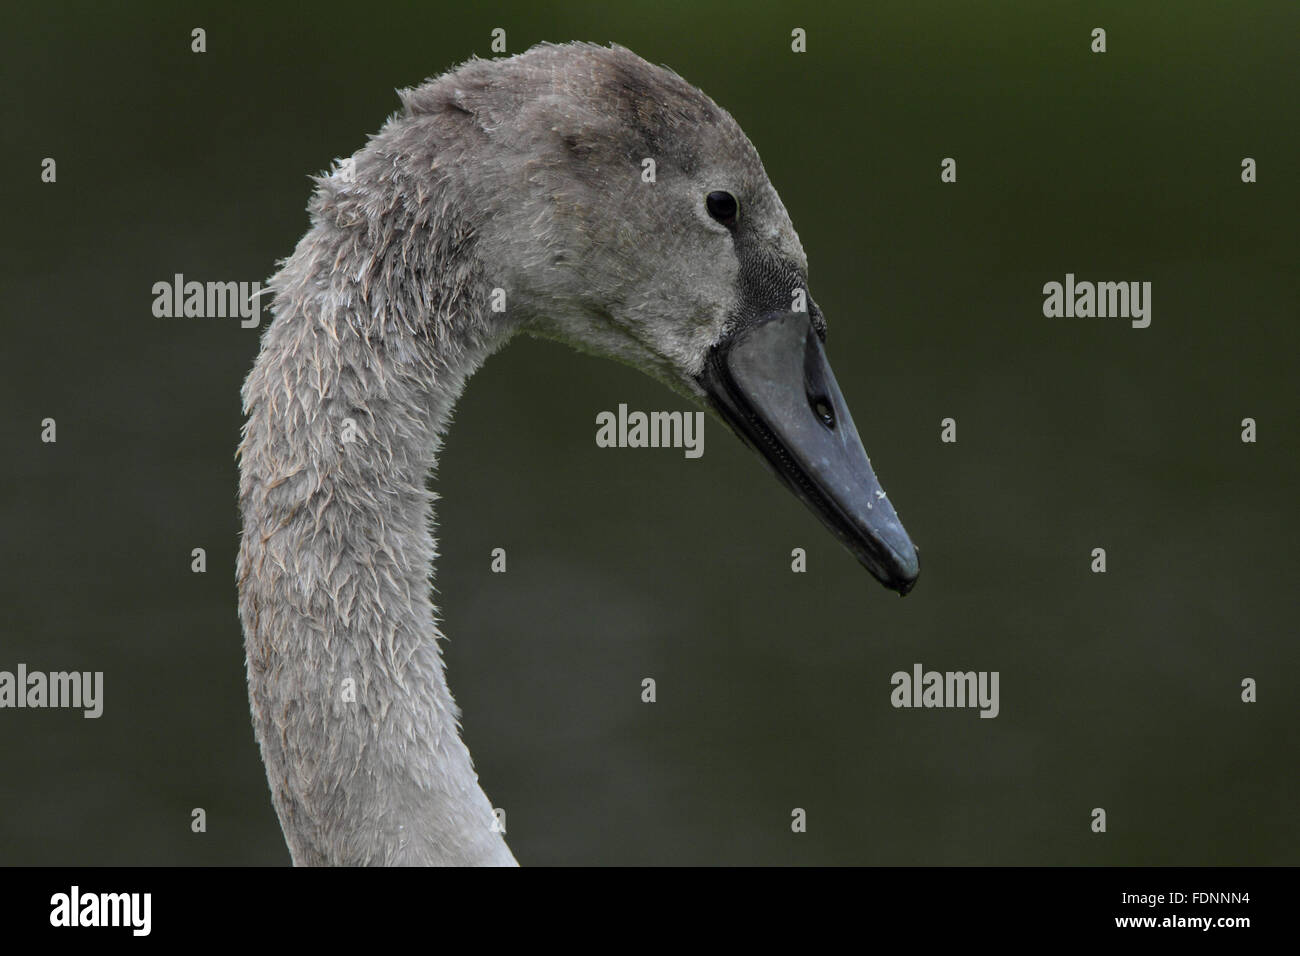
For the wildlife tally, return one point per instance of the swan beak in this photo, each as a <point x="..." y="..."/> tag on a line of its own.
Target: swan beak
<point x="770" y="381"/>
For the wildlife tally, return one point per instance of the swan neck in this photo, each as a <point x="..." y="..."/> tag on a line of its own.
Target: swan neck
<point x="346" y="405"/>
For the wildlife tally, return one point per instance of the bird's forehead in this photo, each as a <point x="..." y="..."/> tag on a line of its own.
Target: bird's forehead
<point x="661" y="116"/>
<point x="608" y="110"/>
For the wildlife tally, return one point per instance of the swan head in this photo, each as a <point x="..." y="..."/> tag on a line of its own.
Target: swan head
<point x="627" y="214"/>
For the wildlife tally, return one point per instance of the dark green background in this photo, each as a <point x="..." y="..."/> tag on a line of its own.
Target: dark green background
<point x="1118" y="690"/>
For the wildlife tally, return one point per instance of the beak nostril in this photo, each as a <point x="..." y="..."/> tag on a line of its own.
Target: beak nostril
<point x="822" y="407"/>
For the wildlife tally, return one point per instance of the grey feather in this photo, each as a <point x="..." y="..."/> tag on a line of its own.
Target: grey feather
<point x="521" y="174"/>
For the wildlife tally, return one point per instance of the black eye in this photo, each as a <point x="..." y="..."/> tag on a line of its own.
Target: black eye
<point x="722" y="207"/>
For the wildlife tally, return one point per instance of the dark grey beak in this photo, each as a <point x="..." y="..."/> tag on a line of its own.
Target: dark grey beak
<point x="771" y="382"/>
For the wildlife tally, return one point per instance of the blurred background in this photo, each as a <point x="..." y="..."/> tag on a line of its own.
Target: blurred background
<point x="1119" y="690"/>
